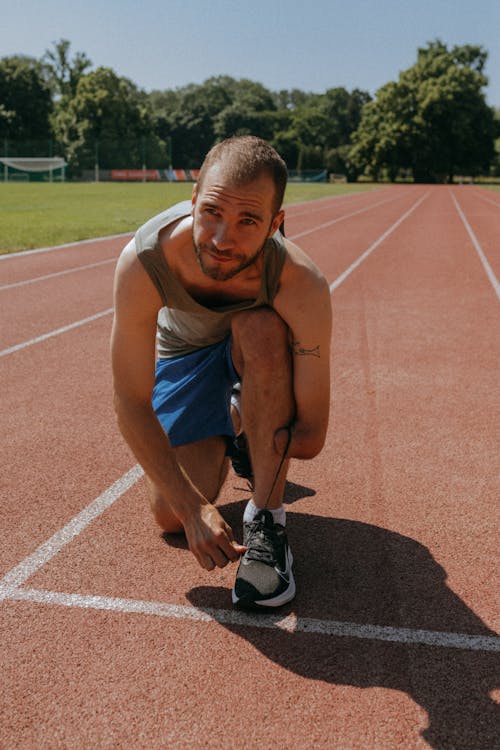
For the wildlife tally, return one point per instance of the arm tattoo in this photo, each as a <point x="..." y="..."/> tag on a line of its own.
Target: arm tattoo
<point x="299" y="350"/>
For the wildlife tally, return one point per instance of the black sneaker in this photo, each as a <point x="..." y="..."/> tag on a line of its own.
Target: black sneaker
<point x="264" y="577"/>
<point x="240" y="459"/>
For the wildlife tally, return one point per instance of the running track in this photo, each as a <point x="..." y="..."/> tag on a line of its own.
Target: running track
<point x="113" y="637"/>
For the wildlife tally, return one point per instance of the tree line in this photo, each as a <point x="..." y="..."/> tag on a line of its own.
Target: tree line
<point x="430" y="125"/>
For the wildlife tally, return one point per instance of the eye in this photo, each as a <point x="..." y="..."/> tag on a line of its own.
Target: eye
<point x="249" y="223"/>
<point x="210" y="210"/>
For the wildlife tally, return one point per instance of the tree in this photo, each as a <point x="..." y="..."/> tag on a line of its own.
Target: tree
<point x="434" y="120"/>
<point x="322" y="125"/>
<point x="108" y="119"/>
<point x="386" y="134"/>
<point x="25" y="104"/>
<point x="495" y="167"/>
<point x="62" y="73"/>
<point x="186" y="116"/>
<point x="250" y="111"/>
<point x="303" y="127"/>
<point x="194" y="117"/>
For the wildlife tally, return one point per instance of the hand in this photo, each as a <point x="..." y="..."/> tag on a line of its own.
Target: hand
<point x="210" y="538"/>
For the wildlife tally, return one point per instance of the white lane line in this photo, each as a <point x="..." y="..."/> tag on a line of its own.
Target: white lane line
<point x="334" y="202"/>
<point x="489" y="271"/>
<point x="23" y="253"/>
<point x="488" y="200"/>
<point x="18" y="575"/>
<point x="290" y="624"/>
<point x="58" y="273"/>
<point x="56" y="332"/>
<point x="332" y="198"/>
<point x="384" y="236"/>
<point x="340" y="218"/>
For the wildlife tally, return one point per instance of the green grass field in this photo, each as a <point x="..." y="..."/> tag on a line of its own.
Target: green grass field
<point x="41" y="215"/>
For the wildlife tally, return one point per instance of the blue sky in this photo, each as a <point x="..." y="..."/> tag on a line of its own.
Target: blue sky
<point x="283" y="44"/>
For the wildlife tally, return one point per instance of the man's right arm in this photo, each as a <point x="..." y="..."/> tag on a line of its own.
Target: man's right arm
<point x="136" y="303"/>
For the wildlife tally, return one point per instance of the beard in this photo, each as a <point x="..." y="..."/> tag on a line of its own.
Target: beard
<point x="220" y="272"/>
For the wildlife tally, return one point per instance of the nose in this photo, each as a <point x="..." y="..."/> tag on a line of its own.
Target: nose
<point x="222" y="238"/>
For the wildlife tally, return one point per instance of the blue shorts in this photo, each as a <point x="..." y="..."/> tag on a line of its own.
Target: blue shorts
<point x="192" y="394"/>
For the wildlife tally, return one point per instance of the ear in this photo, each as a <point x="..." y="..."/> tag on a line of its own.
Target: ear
<point x="194" y="194"/>
<point x="277" y="222"/>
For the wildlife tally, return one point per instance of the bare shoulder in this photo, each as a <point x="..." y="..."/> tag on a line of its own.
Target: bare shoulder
<point x="301" y="278"/>
<point x="128" y="261"/>
<point x="133" y="288"/>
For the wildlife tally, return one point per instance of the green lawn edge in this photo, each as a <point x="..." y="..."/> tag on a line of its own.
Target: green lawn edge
<point x="34" y="215"/>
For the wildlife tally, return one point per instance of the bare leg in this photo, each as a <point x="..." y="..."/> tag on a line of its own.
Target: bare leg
<point x="206" y="465"/>
<point x="261" y="353"/>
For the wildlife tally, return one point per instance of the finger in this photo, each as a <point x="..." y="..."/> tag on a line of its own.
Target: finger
<point x="239" y="548"/>
<point x="220" y="558"/>
<point x="206" y="562"/>
<point x="233" y="550"/>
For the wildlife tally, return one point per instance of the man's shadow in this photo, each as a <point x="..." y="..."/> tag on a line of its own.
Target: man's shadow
<point x="354" y="572"/>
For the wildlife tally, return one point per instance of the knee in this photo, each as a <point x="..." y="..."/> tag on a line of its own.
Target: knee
<point x="261" y="335"/>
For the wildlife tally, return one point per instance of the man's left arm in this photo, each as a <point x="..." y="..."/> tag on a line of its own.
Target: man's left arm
<point x="304" y="303"/>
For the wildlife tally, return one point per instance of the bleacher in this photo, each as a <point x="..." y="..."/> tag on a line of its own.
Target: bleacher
<point x="154" y="175"/>
<point x="182" y="175"/>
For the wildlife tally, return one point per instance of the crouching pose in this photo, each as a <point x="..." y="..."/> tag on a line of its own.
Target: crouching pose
<point x="212" y="306"/>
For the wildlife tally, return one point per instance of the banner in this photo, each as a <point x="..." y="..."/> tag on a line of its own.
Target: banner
<point x="135" y="175"/>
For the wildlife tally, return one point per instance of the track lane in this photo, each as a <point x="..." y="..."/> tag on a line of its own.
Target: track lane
<point x="483" y="218"/>
<point x="77" y="349"/>
<point x="416" y="415"/>
<point x="15" y="267"/>
<point x="60" y="440"/>
<point x="410" y="287"/>
<point x="53" y="304"/>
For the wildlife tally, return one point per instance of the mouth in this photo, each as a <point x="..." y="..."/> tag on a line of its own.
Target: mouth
<point x="220" y="258"/>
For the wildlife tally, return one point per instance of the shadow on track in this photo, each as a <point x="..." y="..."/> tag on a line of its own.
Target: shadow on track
<point x="355" y="572"/>
<point x="233" y="513"/>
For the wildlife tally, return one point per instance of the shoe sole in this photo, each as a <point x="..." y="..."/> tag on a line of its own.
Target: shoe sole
<point x="277" y="601"/>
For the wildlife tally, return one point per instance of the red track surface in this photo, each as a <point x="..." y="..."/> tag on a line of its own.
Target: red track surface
<point x="114" y="638"/>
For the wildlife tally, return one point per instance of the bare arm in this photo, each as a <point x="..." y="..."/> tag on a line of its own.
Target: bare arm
<point x="304" y="303"/>
<point x="133" y="360"/>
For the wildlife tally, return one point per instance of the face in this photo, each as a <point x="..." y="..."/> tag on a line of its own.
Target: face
<point x="231" y="223"/>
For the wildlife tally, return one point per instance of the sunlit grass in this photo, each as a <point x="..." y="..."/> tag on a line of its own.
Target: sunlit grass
<point x="41" y="214"/>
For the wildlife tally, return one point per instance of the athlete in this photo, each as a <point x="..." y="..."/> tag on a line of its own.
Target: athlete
<point x="221" y="344"/>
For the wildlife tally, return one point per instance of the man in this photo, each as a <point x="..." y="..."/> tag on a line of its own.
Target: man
<point x="232" y="302"/>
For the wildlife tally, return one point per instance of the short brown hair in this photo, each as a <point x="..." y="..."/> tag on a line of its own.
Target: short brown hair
<point x="245" y="157"/>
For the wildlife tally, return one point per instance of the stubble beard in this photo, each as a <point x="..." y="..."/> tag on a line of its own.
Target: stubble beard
<point x="219" y="273"/>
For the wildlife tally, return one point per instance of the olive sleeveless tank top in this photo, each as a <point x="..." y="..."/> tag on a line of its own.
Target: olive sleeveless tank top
<point x="184" y="324"/>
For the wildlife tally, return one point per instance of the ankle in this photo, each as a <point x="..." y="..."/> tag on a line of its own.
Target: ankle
<point x="251" y="510"/>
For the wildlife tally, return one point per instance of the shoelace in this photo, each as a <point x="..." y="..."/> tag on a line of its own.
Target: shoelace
<point x="282" y="461"/>
<point x="261" y="542"/>
<point x="243" y="467"/>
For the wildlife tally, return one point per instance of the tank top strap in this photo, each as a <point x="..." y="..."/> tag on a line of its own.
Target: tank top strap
<point x="149" y="251"/>
<point x="274" y="259"/>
